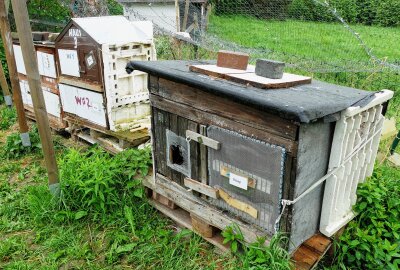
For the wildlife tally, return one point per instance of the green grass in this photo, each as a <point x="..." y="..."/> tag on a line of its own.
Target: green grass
<point x="101" y="220"/>
<point x="328" y="42"/>
<point x="306" y="44"/>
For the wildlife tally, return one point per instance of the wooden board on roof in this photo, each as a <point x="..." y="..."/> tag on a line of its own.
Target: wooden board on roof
<point x="248" y="77"/>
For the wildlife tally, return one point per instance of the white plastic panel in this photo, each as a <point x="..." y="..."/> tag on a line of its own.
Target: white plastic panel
<point x="83" y="103"/>
<point x="355" y="158"/>
<point x="69" y="62"/>
<point x="127" y="94"/>
<point x="47" y="64"/>
<point x="52" y="102"/>
<point x="19" y="59"/>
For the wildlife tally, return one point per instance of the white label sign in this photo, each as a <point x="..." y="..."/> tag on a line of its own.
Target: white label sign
<point x="69" y="62"/>
<point x="238" y="181"/>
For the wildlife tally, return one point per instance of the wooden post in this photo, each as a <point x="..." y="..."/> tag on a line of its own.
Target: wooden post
<point x="178" y="19"/>
<point x="185" y="16"/>
<point x="12" y="69"/>
<point x="4" y="87"/>
<point x="31" y="65"/>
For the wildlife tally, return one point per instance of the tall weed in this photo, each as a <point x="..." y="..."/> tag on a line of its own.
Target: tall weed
<point x="13" y="147"/>
<point x="97" y="184"/>
<point x="257" y="255"/>
<point x="372" y="239"/>
<point x="8" y="117"/>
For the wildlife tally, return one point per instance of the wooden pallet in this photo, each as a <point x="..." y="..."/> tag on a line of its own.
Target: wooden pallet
<point x="55" y="123"/>
<point x="193" y="213"/>
<point x="113" y="142"/>
<point x="190" y="221"/>
<point x="308" y="255"/>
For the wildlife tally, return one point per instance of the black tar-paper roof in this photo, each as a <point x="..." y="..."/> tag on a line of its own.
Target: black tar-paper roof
<point x="303" y="103"/>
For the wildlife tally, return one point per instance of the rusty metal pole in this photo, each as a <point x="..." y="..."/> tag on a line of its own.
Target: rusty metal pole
<point x="4" y="87"/>
<point x="12" y="69"/>
<point x="28" y="52"/>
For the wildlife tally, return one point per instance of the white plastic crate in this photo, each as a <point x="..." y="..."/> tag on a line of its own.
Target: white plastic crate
<point x="354" y="148"/>
<point x="125" y="91"/>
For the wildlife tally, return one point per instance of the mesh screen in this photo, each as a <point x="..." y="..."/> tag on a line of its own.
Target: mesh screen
<point x="257" y="160"/>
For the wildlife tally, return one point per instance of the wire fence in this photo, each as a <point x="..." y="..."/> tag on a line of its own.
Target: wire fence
<point x="353" y="43"/>
<point x="322" y="38"/>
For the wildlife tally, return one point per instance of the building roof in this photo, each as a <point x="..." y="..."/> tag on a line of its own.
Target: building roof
<point x="304" y="103"/>
<point x="113" y="30"/>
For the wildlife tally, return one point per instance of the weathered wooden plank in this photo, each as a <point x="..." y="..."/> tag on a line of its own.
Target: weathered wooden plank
<point x="201" y="226"/>
<point x="182" y="218"/>
<point x="207" y="102"/>
<point x="242" y="206"/>
<point x="201" y="188"/>
<point x="211" y="119"/>
<point x="308" y="255"/>
<point x="153" y="84"/>
<point x="174" y="127"/>
<point x="203" y="162"/>
<point x="248" y="77"/>
<point x="203" y="140"/>
<point x="319" y="243"/>
<point x="194" y="151"/>
<point x="164" y="200"/>
<point x="200" y="207"/>
<point x="82" y="84"/>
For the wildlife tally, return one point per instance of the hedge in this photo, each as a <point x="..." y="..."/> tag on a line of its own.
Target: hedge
<point x="368" y="12"/>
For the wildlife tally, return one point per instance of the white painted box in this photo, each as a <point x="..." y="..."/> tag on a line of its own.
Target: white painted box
<point x="90" y="60"/>
<point x="52" y="101"/>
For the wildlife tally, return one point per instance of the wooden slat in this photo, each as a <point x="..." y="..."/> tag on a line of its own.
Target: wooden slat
<point x="81" y="84"/>
<point x="202" y="227"/>
<point x="206" y="118"/>
<point x="201" y="188"/>
<point x="206" y="102"/>
<point x="319" y="243"/>
<point x="203" y="140"/>
<point x="242" y="206"/>
<point x="248" y="77"/>
<point x="182" y="218"/>
<point x="135" y="137"/>
<point x="308" y="255"/>
<point x="200" y="207"/>
<point x="225" y="171"/>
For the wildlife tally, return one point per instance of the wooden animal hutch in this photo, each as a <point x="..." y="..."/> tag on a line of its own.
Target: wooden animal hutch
<point x="96" y="91"/>
<point x="232" y="153"/>
<point x="45" y="51"/>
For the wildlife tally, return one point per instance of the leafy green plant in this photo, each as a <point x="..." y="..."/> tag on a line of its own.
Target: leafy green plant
<point x="8" y="116"/>
<point x="95" y="183"/>
<point x="372" y="239"/>
<point x="13" y="147"/>
<point x="257" y="255"/>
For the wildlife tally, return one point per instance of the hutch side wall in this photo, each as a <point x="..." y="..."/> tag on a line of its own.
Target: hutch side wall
<point x="315" y="141"/>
